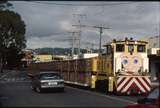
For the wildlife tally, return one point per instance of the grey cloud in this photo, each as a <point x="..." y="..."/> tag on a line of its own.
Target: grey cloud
<point x="137" y="19"/>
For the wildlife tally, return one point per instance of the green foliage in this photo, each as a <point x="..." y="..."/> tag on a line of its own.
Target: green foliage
<point x="12" y="39"/>
<point x="4" y="4"/>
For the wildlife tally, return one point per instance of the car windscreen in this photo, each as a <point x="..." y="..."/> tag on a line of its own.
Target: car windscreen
<point x="49" y="76"/>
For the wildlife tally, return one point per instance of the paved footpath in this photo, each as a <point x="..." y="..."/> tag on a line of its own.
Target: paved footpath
<point x="13" y="76"/>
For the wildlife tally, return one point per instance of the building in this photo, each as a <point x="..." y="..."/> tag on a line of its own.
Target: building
<point x="154" y="56"/>
<point x="42" y="58"/>
<point x="89" y="55"/>
<point x="154" y="62"/>
<point x="153" y="42"/>
<point x="28" y="57"/>
<point x="47" y="57"/>
<point x="60" y="57"/>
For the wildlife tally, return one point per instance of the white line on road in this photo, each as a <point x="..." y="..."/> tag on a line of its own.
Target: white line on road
<point x="3" y="82"/>
<point x="4" y="75"/>
<point x="13" y="79"/>
<point x="103" y="95"/>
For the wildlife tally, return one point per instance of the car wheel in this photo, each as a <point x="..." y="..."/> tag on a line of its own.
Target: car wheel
<point x="38" y="89"/>
<point x="62" y="89"/>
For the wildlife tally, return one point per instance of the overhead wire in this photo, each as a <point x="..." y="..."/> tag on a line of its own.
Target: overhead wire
<point x="71" y="4"/>
<point x="80" y="4"/>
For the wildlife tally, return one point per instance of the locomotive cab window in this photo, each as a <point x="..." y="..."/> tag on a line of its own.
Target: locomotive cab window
<point x="130" y="48"/>
<point x="119" y="47"/>
<point x="141" y="48"/>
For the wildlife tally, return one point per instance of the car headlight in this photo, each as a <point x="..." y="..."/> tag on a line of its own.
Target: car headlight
<point x="44" y="83"/>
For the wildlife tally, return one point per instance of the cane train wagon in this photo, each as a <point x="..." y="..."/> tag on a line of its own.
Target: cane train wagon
<point x="122" y="69"/>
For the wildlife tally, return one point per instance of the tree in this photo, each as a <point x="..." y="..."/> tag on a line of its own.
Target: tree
<point x="12" y="39"/>
<point x="4" y="4"/>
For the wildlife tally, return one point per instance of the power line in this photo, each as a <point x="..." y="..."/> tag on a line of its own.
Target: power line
<point x="79" y="37"/>
<point x="73" y="42"/>
<point x="87" y="43"/>
<point x="72" y="39"/>
<point x="60" y="33"/>
<point x="100" y="31"/>
<point x="71" y="4"/>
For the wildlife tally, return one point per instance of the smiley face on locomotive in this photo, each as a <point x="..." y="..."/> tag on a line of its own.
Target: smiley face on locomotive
<point x="130" y="57"/>
<point x="129" y="66"/>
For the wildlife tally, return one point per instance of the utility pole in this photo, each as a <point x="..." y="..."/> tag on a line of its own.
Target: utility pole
<point x="73" y="42"/>
<point x="159" y="27"/>
<point x="79" y="36"/>
<point x="159" y="30"/>
<point x="100" y="31"/>
<point x="159" y="33"/>
<point x="71" y="39"/>
<point x="90" y="46"/>
<point x="100" y="39"/>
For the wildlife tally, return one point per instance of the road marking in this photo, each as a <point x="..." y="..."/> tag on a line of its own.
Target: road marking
<point x="4" y="75"/>
<point x="21" y="78"/>
<point x="3" y="82"/>
<point x="13" y="79"/>
<point x="8" y="80"/>
<point x="103" y="95"/>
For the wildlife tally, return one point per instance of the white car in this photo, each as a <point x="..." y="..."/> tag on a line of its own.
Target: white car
<point x="47" y="81"/>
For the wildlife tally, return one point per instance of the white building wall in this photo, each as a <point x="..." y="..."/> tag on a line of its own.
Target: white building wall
<point x="90" y="55"/>
<point x="153" y="51"/>
<point x="145" y="61"/>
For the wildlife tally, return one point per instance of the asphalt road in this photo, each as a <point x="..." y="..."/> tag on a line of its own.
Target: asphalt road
<point x="15" y="91"/>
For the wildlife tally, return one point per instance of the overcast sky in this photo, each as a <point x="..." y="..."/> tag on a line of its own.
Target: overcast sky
<point x="47" y="24"/>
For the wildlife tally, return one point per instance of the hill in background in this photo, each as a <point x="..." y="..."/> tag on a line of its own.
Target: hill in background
<point x="60" y="51"/>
